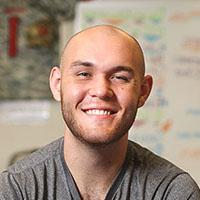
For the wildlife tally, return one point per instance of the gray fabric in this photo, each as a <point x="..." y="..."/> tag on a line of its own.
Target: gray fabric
<point x="44" y="175"/>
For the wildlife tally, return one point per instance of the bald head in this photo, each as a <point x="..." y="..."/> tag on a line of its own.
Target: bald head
<point x="97" y="34"/>
<point x="102" y="69"/>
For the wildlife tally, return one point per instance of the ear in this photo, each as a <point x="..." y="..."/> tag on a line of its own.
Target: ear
<point x="146" y="87"/>
<point x="54" y="81"/>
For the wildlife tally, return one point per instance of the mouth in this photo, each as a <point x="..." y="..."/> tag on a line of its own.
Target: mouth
<point x="99" y="112"/>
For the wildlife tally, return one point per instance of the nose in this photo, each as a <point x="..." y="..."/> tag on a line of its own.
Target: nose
<point x="101" y="88"/>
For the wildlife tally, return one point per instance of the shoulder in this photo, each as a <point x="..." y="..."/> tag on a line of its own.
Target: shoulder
<point x="159" y="177"/>
<point x="38" y="157"/>
<point x="34" y="164"/>
<point x="182" y="187"/>
<point x="145" y="159"/>
<point x="30" y="173"/>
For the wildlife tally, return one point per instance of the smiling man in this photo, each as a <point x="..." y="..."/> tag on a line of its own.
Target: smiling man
<point x="101" y="83"/>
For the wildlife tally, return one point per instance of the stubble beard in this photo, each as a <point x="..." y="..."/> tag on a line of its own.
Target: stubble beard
<point x="79" y="133"/>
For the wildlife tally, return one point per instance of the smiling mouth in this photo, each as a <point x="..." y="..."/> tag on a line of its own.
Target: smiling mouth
<point x="99" y="112"/>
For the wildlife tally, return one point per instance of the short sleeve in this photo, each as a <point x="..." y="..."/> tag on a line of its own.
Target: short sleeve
<point x="9" y="188"/>
<point x="182" y="187"/>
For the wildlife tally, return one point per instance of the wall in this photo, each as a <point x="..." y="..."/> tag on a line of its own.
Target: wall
<point x="23" y="129"/>
<point x="29" y="46"/>
<point x="169" y="122"/>
<point x="169" y="35"/>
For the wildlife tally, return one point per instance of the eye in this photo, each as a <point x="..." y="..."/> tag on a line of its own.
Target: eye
<point x="83" y="74"/>
<point x="121" y="78"/>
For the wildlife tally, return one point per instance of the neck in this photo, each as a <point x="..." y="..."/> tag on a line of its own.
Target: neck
<point x="94" y="168"/>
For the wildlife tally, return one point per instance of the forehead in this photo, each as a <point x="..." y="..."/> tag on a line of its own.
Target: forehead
<point x="102" y="44"/>
<point x="99" y="38"/>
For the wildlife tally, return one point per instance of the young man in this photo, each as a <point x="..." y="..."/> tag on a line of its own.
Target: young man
<point x="101" y="83"/>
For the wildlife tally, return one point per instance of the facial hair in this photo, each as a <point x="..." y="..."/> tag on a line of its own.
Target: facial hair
<point x="81" y="134"/>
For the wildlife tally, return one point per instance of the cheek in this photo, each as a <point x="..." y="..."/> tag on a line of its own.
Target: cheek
<point x="128" y="97"/>
<point x="72" y="94"/>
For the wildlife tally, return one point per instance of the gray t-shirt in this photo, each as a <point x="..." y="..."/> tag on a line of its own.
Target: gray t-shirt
<point x="44" y="175"/>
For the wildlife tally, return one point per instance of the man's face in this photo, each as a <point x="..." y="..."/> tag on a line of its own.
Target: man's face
<point x="100" y="87"/>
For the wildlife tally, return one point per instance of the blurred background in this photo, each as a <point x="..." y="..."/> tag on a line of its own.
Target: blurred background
<point x="32" y="36"/>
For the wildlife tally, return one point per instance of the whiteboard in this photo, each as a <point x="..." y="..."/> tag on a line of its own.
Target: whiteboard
<point x="169" y="33"/>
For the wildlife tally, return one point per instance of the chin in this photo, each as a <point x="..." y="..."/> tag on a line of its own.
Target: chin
<point x="99" y="140"/>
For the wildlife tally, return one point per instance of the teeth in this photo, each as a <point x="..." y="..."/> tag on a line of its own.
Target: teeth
<point x="98" y="112"/>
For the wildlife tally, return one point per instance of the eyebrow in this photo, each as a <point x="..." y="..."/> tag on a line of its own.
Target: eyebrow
<point x="123" y="68"/>
<point x="82" y="63"/>
<point x="117" y="68"/>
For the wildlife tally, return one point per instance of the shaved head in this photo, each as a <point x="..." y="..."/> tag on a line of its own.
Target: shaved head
<point x="109" y="31"/>
<point x="101" y="84"/>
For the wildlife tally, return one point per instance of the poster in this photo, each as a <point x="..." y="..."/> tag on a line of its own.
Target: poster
<point x="169" y="33"/>
<point x="28" y="49"/>
<point x="24" y="113"/>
